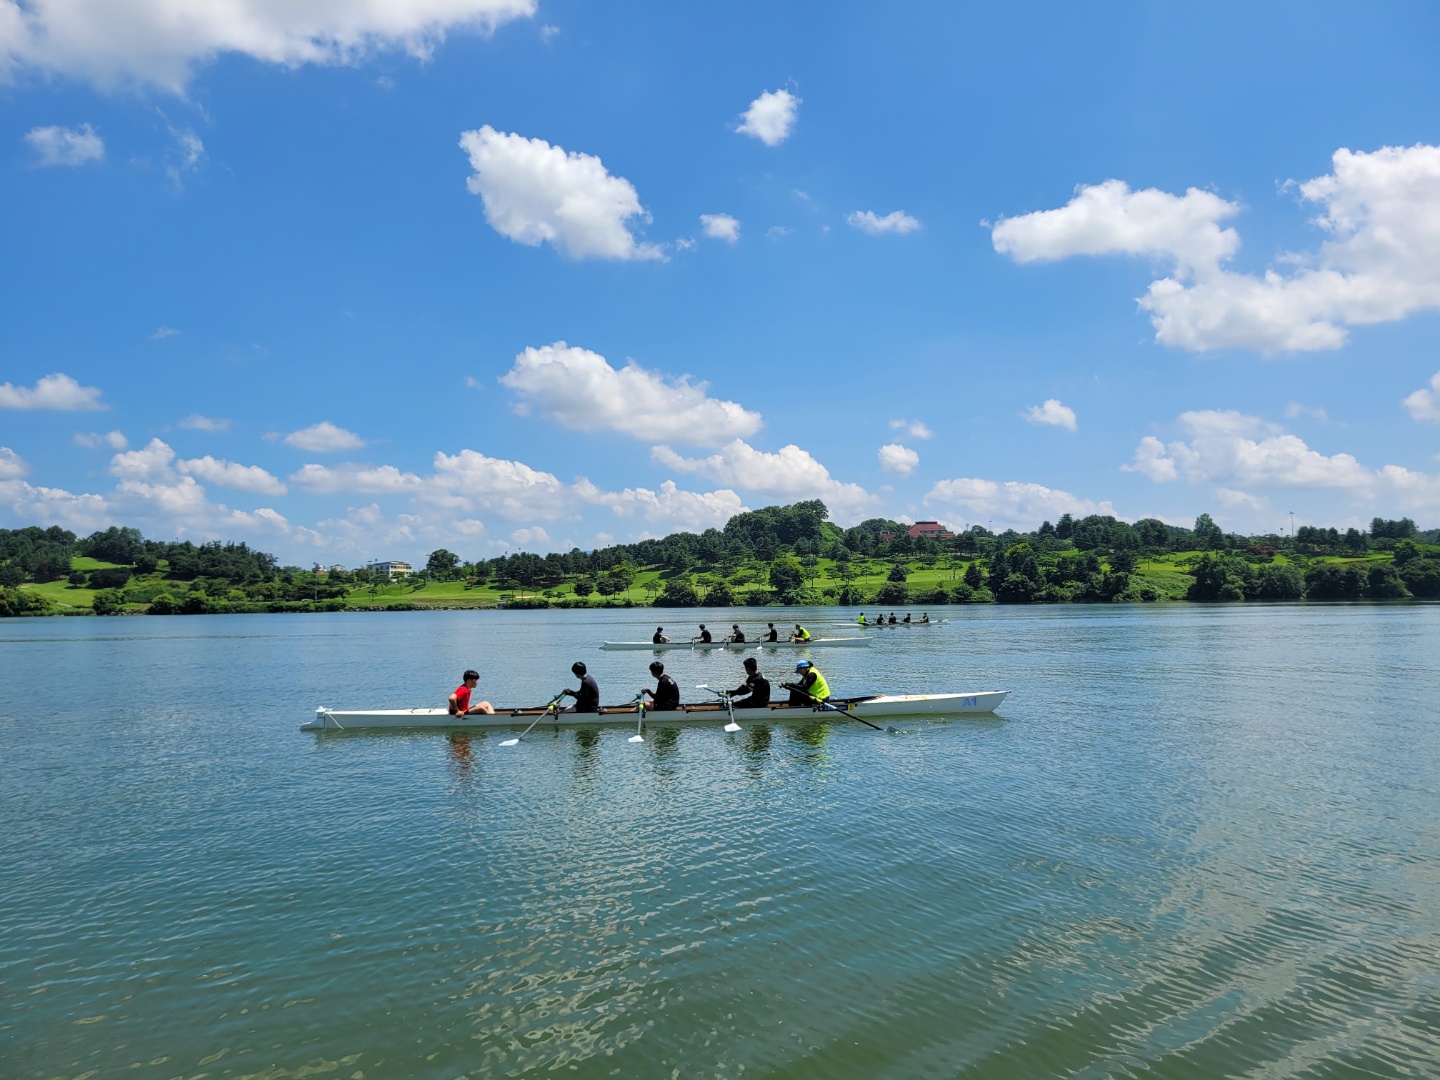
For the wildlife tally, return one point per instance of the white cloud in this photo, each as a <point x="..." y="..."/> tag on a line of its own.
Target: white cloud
<point x="512" y="489"/>
<point x="897" y="459"/>
<point x="915" y="428"/>
<point x="65" y="146"/>
<point x="897" y="221"/>
<point x="770" y="117"/>
<point x="57" y="391"/>
<point x="162" y="332"/>
<point x="1380" y="210"/>
<point x="791" y="473"/>
<point x="777" y="232"/>
<point x="579" y="389"/>
<point x="1239" y="452"/>
<point x="151" y="462"/>
<point x="536" y="193"/>
<point x="196" y="422"/>
<point x="1011" y="503"/>
<point x="1295" y="409"/>
<point x="1110" y="219"/>
<point x="160" y="42"/>
<point x="55" y="506"/>
<point x="115" y="440"/>
<point x="1053" y="413"/>
<point x="232" y="475"/>
<point x="323" y="437"/>
<point x="533" y="536"/>
<point x="12" y="465"/>
<point x="1424" y="404"/>
<point x="184" y="158"/>
<point x="370" y="479"/>
<point x="693" y="511"/>
<point x="721" y="227"/>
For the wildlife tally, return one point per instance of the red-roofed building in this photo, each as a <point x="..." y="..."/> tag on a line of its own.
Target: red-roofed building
<point x="931" y="530"/>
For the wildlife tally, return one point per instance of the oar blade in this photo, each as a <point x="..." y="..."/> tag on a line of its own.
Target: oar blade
<point x="637" y="738"/>
<point x="508" y="742"/>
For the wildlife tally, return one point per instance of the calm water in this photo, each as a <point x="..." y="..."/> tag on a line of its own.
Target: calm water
<point x="1196" y="842"/>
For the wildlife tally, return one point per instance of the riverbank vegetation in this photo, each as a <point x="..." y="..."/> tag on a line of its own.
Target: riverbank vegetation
<point x="775" y="555"/>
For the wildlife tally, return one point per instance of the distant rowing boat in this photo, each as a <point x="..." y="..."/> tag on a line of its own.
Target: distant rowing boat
<point x="834" y="642"/>
<point x="867" y="707"/>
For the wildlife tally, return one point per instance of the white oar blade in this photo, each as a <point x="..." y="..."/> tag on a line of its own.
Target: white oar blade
<point x="732" y="726"/>
<point x="509" y="742"/>
<point x="637" y="738"/>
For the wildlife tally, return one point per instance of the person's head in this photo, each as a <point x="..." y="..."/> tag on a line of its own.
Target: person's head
<point x="659" y="629"/>
<point x="578" y="667"/>
<point x="471" y="677"/>
<point x="734" y="626"/>
<point x="771" y="625"/>
<point x="656" y="668"/>
<point x="702" y="626"/>
<point x="750" y="664"/>
<point x="797" y="626"/>
<point x="803" y="665"/>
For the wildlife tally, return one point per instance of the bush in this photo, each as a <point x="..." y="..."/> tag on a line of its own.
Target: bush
<point x="1383" y="583"/>
<point x="526" y="603"/>
<point x="77" y="578"/>
<point x="195" y="603"/>
<point x="115" y="577"/>
<point x="1326" y="581"/>
<point x="108" y="602"/>
<point x="163" y="604"/>
<point x="893" y="592"/>
<point x="1422" y="578"/>
<point x="718" y="596"/>
<point x="1015" y="589"/>
<point x="678" y="593"/>
<point x="1278" y="583"/>
<point x="14" y="602"/>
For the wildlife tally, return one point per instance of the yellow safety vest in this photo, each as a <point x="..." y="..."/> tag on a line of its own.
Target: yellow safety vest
<point x="803" y="634"/>
<point x="861" y="620"/>
<point x="819" y="689"/>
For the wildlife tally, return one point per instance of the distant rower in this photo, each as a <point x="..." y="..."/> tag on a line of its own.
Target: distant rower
<point x="666" y="695"/>
<point x="801" y="634"/>
<point x="736" y="634"/>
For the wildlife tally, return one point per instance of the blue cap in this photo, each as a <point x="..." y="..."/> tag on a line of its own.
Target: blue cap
<point x="802" y="665"/>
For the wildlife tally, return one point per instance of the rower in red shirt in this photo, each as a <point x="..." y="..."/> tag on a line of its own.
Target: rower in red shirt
<point x="460" y="699"/>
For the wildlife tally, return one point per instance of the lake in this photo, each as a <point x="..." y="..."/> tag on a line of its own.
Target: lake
<point x="1195" y="841"/>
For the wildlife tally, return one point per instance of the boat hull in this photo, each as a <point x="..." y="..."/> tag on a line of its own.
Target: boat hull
<point x="979" y="703"/>
<point x="739" y="646"/>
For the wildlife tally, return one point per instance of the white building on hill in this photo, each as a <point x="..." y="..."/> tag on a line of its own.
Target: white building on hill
<point x="389" y="569"/>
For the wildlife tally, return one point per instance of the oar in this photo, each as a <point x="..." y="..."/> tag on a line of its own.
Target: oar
<point x="553" y="702"/>
<point x="729" y="705"/>
<point x="640" y="708"/>
<point x="845" y="712"/>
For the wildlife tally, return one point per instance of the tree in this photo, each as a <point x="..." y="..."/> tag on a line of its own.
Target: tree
<point x="1064" y="527"/>
<point x="1278" y="583"/>
<point x="1208" y="535"/>
<point x="584" y="586"/>
<point x="1218" y="578"/>
<point x="973" y="577"/>
<point x="786" y="575"/>
<point x="441" y="564"/>
<point x="108" y="602"/>
<point x="1384" y="583"/>
<point x="164" y="604"/>
<point x="897" y="573"/>
<point x="678" y="593"/>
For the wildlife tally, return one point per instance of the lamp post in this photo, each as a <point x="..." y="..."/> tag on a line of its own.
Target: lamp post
<point x="1292" y="524"/>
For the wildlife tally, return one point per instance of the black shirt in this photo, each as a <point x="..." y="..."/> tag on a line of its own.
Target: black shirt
<point x="666" y="696"/>
<point x="738" y="635"/>
<point x="659" y="638"/>
<point x="705" y="635"/>
<point x="774" y="635"/>
<point x="587" y="698"/>
<point x="757" y="690"/>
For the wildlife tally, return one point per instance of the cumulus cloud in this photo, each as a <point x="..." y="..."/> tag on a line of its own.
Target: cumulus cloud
<point x="1053" y="413"/>
<point x="196" y="422"/>
<point x="535" y="193"/>
<point x="161" y="42"/>
<point x="323" y="437"/>
<point x="512" y="489"/>
<point x="115" y="440"/>
<point x="915" y="428"/>
<point x="790" y="472"/>
<point x="231" y="475"/>
<point x="1237" y="452"/>
<point x="898" y="459"/>
<point x="694" y="511"/>
<point x="1381" y="261"/>
<point x="160" y="333"/>
<point x="58" y="391"/>
<point x="770" y="117"/>
<point x="1315" y="412"/>
<point x="12" y="465"/>
<point x="65" y="146"/>
<point x="897" y="221"/>
<point x="1424" y="404"/>
<point x="1011" y="503"/>
<point x="55" y="506"/>
<point x="369" y="479"/>
<point x="150" y="462"/>
<point x="579" y="390"/>
<point x="720" y="227"/>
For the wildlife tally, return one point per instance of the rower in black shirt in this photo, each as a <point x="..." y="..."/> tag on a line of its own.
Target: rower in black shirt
<point x="892" y="618"/>
<point x="906" y="618"/>
<point x="666" y="695"/>
<point x="756" y="688"/>
<point x="587" y="698"/>
<point x="705" y="637"/>
<point x="774" y="634"/>
<point x="736" y="634"/>
<point x="660" y="638"/>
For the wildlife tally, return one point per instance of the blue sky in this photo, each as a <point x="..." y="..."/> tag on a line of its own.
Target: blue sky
<point x="360" y="281"/>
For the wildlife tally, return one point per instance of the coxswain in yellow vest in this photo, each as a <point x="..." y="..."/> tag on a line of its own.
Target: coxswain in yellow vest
<point x="810" y="687"/>
<point x="801" y="634"/>
<point x="861" y="620"/>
